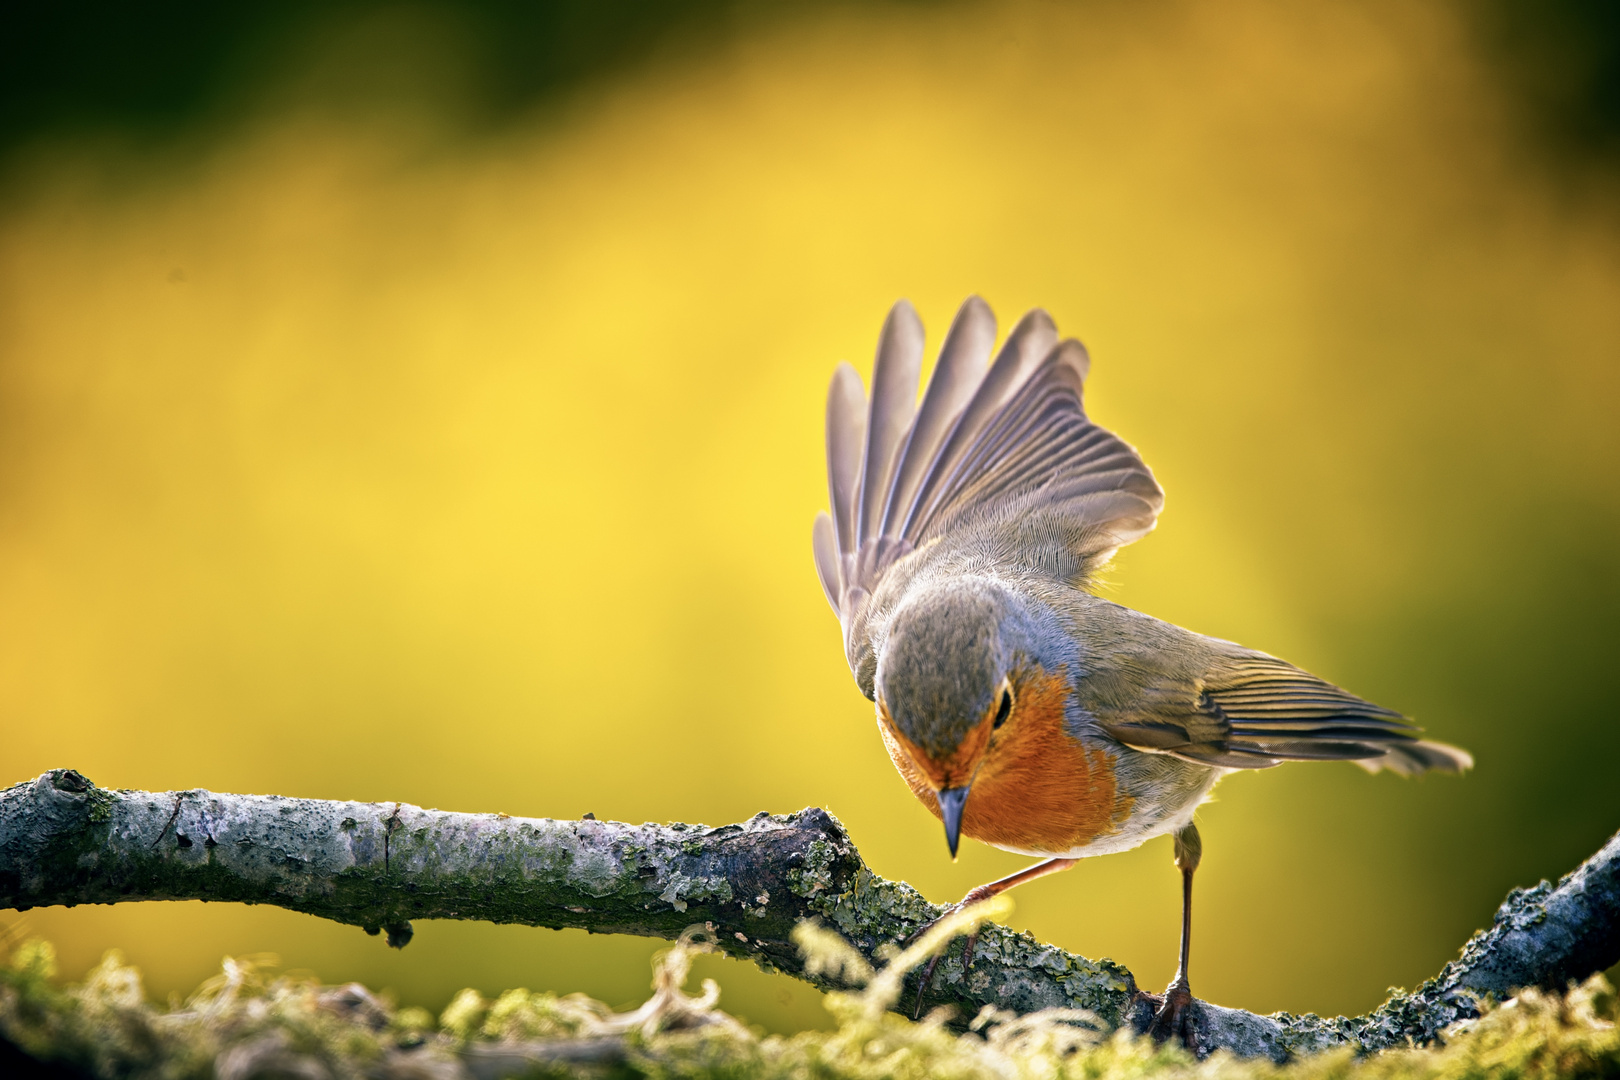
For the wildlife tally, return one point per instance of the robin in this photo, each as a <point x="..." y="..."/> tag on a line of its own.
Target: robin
<point x="1021" y="709"/>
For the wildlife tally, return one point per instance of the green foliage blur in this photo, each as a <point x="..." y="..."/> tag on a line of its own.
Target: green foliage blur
<point x="247" y="1021"/>
<point x="423" y="402"/>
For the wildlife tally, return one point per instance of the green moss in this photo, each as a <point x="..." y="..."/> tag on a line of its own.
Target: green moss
<point x="816" y="875"/>
<point x="101" y="802"/>
<point x="248" y="1022"/>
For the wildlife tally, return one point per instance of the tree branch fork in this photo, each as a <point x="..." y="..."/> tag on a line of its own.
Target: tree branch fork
<point x="379" y="866"/>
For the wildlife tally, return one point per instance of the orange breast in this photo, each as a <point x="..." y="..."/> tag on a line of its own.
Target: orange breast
<point x="1036" y="788"/>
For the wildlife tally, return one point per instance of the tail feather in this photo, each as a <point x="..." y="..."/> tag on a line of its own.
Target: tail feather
<point x="846" y="438"/>
<point x="961" y="367"/>
<point x="894" y="402"/>
<point x="986" y="446"/>
<point x="824" y="541"/>
<point x="1029" y="343"/>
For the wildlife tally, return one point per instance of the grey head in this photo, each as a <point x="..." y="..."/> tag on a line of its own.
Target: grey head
<point x="944" y="681"/>
<point x="944" y="665"/>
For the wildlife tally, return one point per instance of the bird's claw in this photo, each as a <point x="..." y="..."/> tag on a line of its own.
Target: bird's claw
<point x="967" y="951"/>
<point x="1171" y="1019"/>
<point x="928" y="972"/>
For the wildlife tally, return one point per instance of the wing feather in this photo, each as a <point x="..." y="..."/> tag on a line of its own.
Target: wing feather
<point x="1421" y="756"/>
<point x="1258" y="711"/>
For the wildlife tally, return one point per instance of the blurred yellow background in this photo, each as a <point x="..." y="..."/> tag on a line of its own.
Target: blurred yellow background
<point x="353" y="454"/>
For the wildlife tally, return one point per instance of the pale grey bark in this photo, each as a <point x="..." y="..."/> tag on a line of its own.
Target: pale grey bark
<point x="381" y="865"/>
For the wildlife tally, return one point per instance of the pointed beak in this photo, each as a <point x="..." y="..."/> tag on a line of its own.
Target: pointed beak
<point x="951" y="801"/>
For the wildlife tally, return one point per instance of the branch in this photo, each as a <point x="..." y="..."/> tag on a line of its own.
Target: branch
<point x="381" y="865"/>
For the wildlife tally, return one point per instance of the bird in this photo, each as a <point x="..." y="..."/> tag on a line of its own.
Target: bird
<point x="960" y="555"/>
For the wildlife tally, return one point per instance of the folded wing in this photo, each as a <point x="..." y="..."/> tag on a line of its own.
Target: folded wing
<point x="1259" y="711"/>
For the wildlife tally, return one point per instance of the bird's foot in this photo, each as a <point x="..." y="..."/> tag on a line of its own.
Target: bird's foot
<point x="974" y="896"/>
<point x="1171" y="1019"/>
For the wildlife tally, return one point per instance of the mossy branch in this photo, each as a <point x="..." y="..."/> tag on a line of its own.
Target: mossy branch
<point x="380" y="865"/>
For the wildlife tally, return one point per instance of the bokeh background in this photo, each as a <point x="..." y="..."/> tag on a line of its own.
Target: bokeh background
<point x="423" y="402"/>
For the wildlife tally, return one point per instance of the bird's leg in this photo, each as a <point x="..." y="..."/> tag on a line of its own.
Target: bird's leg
<point x="1171" y="1019"/>
<point x="974" y="896"/>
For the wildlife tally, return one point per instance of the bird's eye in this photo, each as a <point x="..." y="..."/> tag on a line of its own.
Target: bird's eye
<point x="1005" y="709"/>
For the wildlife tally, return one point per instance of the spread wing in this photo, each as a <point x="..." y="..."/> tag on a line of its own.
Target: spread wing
<point x="1260" y="711"/>
<point x="1007" y="441"/>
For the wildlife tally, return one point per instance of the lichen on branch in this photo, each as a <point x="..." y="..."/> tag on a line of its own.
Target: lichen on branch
<point x="381" y="865"/>
<point x="250" y="1023"/>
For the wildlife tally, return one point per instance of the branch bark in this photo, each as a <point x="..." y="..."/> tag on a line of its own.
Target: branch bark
<point x="380" y="865"/>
